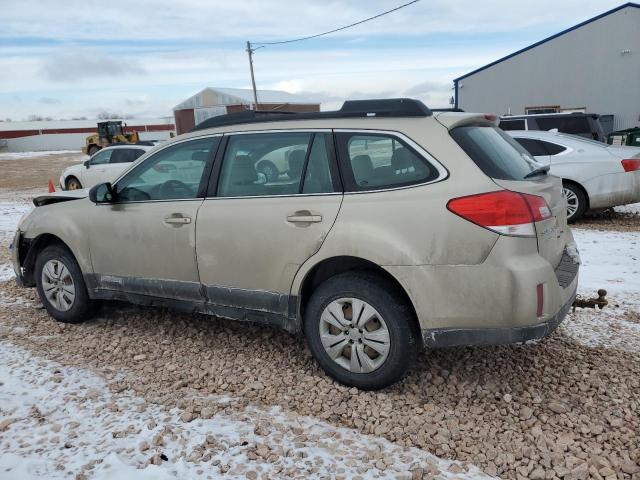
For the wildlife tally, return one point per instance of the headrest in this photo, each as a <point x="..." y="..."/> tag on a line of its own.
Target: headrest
<point x="362" y="167"/>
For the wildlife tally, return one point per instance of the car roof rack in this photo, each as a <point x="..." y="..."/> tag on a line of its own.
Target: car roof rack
<point x="455" y="110"/>
<point x="388" y="107"/>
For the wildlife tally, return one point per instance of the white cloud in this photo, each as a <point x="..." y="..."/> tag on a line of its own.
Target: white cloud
<point x="145" y="59"/>
<point x="71" y="66"/>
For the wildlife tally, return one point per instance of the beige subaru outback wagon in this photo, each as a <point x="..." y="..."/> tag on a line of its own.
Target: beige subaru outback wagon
<point x="395" y="229"/>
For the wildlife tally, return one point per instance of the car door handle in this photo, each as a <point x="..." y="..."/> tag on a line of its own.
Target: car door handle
<point x="177" y="220"/>
<point x="304" y="217"/>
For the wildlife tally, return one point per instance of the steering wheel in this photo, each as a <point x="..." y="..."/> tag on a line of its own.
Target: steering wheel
<point x="171" y="188"/>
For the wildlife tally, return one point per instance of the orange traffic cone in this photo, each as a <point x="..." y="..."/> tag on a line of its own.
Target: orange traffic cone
<point x="51" y="187"/>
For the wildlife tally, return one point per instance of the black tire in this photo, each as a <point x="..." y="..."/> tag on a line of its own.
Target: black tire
<point x="82" y="307"/>
<point x="392" y="307"/>
<point x="577" y="201"/>
<point x="269" y="170"/>
<point x="72" y="183"/>
<point x="93" y="149"/>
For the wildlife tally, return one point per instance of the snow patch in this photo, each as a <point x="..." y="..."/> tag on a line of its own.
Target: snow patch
<point x="61" y="421"/>
<point x="28" y="155"/>
<point x="610" y="260"/>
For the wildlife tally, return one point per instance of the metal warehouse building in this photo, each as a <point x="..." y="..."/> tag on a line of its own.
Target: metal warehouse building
<point x="214" y="101"/>
<point x="592" y="67"/>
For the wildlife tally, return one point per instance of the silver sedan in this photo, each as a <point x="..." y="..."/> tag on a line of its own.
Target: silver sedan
<point x="594" y="175"/>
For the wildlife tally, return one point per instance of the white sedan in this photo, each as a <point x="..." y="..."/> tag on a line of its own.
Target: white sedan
<point x="594" y="175"/>
<point x="104" y="166"/>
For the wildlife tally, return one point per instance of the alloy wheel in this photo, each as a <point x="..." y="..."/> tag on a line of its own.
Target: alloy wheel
<point x="573" y="203"/>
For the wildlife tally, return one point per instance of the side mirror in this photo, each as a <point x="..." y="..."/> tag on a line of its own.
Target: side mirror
<point x="102" y="193"/>
<point x="87" y="163"/>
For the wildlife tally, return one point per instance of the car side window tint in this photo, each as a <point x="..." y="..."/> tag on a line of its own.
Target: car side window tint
<point x="137" y="153"/>
<point x="317" y="177"/>
<point x="512" y="125"/>
<point x="102" y="157"/>
<point x="172" y="173"/>
<point x="553" y="148"/>
<point x="534" y="147"/>
<point x="263" y="164"/>
<point x="382" y="161"/>
<point x="123" y="155"/>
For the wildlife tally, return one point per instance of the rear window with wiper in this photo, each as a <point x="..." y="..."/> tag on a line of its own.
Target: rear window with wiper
<point x="497" y="154"/>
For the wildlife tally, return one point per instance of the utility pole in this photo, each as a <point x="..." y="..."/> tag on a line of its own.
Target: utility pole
<point x="253" y="78"/>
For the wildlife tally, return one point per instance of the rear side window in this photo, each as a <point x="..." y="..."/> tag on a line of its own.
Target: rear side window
<point x="553" y="148"/>
<point x="512" y="125"/>
<point x="497" y="154"/>
<point x="267" y="164"/>
<point x="125" y="155"/>
<point x="374" y="161"/>
<point x="534" y="147"/>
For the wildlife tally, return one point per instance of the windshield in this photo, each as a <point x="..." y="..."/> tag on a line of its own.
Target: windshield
<point x="497" y="154"/>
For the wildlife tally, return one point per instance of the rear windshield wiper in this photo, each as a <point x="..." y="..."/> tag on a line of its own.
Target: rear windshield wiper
<point x="538" y="171"/>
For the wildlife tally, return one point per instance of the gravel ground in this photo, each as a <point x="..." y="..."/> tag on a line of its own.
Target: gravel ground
<point x="620" y="219"/>
<point x="566" y="407"/>
<point x="552" y="409"/>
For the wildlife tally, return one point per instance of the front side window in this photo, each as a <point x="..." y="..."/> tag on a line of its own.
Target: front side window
<point x="497" y="154"/>
<point x="102" y="157"/>
<point x="281" y="163"/>
<point x="382" y="161"/>
<point x="172" y="173"/>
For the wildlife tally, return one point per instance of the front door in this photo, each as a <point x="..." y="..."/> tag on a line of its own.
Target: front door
<point x="254" y="232"/>
<point x="144" y="241"/>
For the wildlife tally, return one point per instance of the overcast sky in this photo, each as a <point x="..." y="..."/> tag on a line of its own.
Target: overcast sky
<point x="80" y="57"/>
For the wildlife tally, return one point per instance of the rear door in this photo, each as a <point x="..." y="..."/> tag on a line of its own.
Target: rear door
<point x="254" y="232"/>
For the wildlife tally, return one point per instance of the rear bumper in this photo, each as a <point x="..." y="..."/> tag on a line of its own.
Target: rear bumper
<point x="441" y="338"/>
<point x="514" y="296"/>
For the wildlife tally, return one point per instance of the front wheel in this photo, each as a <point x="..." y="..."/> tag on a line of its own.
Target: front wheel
<point x="61" y="286"/>
<point x="361" y="331"/>
<point x="576" y="201"/>
<point x="73" y="184"/>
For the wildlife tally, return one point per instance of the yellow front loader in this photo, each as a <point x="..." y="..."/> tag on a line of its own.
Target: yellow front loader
<point x="109" y="133"/>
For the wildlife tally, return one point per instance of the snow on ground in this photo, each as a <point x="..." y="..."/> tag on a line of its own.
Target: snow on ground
<point x="60" y="421"/>
<point x="30" y="155"/>
<point x="632" y="208"/>
<point x="610" y="260"/>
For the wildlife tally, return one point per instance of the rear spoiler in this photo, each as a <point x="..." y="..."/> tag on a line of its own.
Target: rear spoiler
<point x="458" y="119"/>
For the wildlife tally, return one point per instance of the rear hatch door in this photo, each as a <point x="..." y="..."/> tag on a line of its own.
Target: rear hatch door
<point x="511" y="167"/>
<point x="551" y="232"/>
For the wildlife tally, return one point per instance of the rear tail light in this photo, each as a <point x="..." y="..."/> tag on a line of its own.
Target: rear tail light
<point x="631" y="164"/>
<point x="504" y="212"/>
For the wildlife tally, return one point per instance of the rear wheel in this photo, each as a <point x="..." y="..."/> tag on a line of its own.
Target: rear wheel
<point x="576" y="201"/>
<point x="61" y="286"/>
<point x="360" y="330"/>
<point x="73" y="183"/>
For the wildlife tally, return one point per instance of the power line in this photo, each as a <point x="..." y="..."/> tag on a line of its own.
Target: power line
<point x="337" y="29"/>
